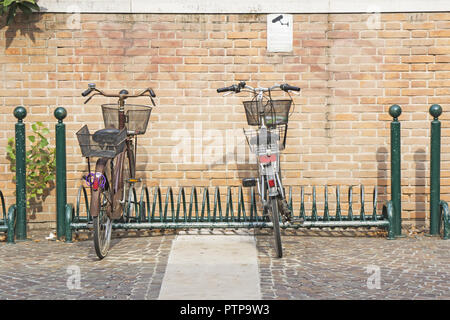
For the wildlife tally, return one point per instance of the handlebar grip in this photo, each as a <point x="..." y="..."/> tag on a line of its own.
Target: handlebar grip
<point x="286" y="87"/>
<point x="85" y="93"/>
<point x="225" y="89"/>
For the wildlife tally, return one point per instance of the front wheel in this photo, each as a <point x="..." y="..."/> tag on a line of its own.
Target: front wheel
<point x="102" y="228"/>
<point x="276" y="227"/>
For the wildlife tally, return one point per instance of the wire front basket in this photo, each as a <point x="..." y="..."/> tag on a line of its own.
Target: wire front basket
<point x="260" y="140"/>
<point x="107" y="145"/>
<point x="274" y="112"/>
<point x="136" y="117"/>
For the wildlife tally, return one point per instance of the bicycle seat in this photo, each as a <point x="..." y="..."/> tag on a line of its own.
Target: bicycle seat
<point x="106" y="136"/>
<point x="272" y="137"/>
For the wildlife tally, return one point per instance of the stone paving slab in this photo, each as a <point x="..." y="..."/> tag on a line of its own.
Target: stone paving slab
<point x="133" y="269"/>
<point x="315" y="265"/>
<point x="345" y="265"/>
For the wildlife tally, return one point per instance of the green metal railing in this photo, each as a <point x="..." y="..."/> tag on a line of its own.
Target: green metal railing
<point x="158" y="212"/>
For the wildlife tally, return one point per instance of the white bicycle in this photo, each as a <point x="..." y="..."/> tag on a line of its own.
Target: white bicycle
<point x="270" y="117"/>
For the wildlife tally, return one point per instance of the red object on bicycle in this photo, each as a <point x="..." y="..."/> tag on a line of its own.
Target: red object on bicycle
<point x="271" y="183"/>
<point x="267" y="159"/>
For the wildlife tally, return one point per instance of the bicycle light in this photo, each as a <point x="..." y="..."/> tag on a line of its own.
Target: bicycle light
<point x="271" y="183"/>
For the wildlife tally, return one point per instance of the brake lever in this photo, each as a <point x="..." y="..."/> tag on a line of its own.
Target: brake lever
<point x="87" y="100"/>
<point x="228" y="93"/>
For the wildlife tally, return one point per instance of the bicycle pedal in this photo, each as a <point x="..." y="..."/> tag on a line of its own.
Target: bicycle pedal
<point x="134" y="180"/>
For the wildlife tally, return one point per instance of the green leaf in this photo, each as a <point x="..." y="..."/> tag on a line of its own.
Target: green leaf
<point x="34" y="127"/>
<point x="32" y="138"/>
<point x="45" y="131"/>
<point x="24" y="8"/>
<point x="11" y="13"/>
<point x="40" y="124"/>
<point x="31" y="4"/>
<point x="6" y="3"/>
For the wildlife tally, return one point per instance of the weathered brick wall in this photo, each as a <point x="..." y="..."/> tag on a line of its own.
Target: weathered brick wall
<point x="351" y="68"/>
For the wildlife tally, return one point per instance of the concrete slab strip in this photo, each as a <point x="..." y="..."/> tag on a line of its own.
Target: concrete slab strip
<point x="212" y="267"/>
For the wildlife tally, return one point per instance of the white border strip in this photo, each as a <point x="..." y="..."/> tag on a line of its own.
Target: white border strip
<point x="240" y="6"/>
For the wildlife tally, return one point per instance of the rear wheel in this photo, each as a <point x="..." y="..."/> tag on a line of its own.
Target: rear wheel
<point x="276" y="227"/>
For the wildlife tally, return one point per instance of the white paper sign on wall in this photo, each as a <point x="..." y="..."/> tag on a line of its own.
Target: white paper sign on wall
<point x="279" y="32"/>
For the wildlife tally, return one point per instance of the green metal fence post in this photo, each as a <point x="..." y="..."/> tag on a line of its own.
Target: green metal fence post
<point x="61" y="196"/>
<point x="435" y="167"/>
<point x="395" y="111"/>
<point x="21" y="194"/>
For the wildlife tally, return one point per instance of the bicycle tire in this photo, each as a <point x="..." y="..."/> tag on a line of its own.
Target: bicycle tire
<point x="276" y="227"/>
<point x="102" y="223"/>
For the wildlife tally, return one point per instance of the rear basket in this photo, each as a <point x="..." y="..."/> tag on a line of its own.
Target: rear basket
<point x="275" y="139"/>
<point x="136" y="117"/>
<point x="275" y="112"/>
<point x="90" y="148"/>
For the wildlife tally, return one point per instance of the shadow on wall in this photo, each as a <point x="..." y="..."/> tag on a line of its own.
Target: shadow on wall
<point x="382" y="175"/>
<point x="420" y="197"/>
<point x="22" y="26"/>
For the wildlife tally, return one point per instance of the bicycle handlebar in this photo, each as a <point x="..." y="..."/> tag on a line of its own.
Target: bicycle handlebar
<point x="237" y="88"/>
<point x="123" y="94"/>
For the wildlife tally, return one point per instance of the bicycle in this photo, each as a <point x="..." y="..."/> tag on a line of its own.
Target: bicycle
<point x="271" y="119"/>
<point x="115" y="168"/>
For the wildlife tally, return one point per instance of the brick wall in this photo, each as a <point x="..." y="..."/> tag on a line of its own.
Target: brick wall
<point x="351" y="68"/>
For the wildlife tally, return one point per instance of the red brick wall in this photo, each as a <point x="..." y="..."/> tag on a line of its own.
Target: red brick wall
<point x="349" y="68"/>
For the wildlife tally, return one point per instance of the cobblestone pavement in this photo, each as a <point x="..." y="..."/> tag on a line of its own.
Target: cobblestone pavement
<point x="315" y="265"/>
<point x="344" y="265"/>
<point x="133" y="269"/>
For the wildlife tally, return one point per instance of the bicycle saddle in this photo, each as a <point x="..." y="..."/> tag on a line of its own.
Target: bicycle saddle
<point x="108" y="136"/>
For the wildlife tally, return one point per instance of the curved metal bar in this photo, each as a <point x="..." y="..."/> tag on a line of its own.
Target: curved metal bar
<point x="144" y="204"/>
<point x="350" y="203"/>
<point x="181" y="200"/>
<point x="314" y="205"/>
<point x="302" y="203"/>
<point x="169" y="197"/>
<point x="194" y="201"/>
<point x="3" y="206"/>
<point x="375" y="203"/>
<point x="241" y="205"/>
<point x="127" y="209"/>
<point x="445" y="219"/>
<point x="229" y="214"/>
<point x="11" y="222"/>
<point x="205" y="205"/>
<point x="362" y="215"/>
<point x="86" y="204"/>
<point x="326" y="215"/>
<point x="69" y="212"/>
<point x="156" y="197"/>
<point x="217" y="205"/>
<point x="338" y="203"/>
<point x="253" y="208"/>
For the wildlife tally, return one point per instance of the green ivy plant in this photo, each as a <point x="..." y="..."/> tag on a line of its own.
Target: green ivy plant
<point x="40" y="162"/>
<point x="10" y="7"/>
